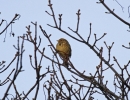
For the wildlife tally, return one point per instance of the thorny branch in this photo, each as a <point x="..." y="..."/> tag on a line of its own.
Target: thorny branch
<point x="16" y="17"/>
<point x="112" y="12"/>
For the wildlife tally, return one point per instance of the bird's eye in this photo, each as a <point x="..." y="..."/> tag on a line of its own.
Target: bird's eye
<point x="59" y="44"/>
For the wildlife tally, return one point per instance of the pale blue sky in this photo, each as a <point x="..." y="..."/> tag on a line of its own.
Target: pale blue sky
<point x="82" y="57"/>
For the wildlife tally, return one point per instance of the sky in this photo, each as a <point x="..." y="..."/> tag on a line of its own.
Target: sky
<point x="82" y="56"/>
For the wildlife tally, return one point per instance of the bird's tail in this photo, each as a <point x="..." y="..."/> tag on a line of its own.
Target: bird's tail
<point x="65" y="62"/>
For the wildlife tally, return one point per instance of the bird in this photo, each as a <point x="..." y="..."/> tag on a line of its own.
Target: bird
<point x="63" y="48"/>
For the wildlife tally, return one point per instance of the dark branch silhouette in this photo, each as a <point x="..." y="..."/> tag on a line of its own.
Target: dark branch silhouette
<point x="79" y="86"/>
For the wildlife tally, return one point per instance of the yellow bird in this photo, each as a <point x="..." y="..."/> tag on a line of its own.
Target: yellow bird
<point x="63" y="48"/>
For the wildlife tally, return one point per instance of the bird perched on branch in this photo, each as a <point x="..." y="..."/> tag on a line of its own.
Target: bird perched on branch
<point x="63" y="48"/>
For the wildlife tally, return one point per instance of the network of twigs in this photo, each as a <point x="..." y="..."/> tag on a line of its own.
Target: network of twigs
<point x="64" y="89"/>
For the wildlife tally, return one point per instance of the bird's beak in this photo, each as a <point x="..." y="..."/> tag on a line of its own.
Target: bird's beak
<point x="57" y="40"/>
